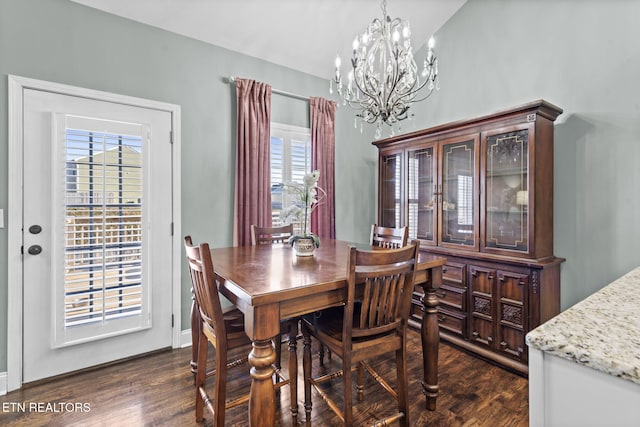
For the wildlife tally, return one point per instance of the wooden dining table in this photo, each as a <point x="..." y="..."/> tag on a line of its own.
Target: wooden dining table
<point x="270" y="283"/>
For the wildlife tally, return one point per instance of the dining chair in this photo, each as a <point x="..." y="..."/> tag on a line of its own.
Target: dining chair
<point x="374" y="325"/>
<point x="270" y="235"/>
<point x="289" y="327"/>
<point x="381" y="237"/>
<point x="388" y="237"/>
<point x="223" y="328"/>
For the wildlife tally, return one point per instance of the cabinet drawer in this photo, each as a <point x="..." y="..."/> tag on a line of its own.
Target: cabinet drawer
<point x="452" y="296"/>
<point x="453" y="273"/>
<point x="453" y="322"/>
<point x="416" y="310"/>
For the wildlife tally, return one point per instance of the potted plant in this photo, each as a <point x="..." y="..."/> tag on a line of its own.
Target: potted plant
<point x="306" y="196"/>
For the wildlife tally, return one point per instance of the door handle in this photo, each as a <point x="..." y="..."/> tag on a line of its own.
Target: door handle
<point x="35" y="229"/>
<point x="35" y="249"/>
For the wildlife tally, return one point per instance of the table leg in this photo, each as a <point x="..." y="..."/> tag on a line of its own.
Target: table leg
<point x="262" y="399"/>
<point x="430" y="337"/>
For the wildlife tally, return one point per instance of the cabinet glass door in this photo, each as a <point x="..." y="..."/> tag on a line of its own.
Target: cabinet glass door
<point x="422" y="204"/>
<point x="459" y="193"/>
<point x="507" y="191"/>
<point x="390" y="190"/>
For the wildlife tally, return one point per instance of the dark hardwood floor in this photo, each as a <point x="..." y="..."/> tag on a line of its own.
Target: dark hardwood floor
<point x="157" y="390"/>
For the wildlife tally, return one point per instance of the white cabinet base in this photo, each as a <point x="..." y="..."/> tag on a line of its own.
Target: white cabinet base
<point x="565" y="394"/>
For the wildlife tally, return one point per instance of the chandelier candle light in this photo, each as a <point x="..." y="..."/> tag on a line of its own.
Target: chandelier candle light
<point x="384" y="80"/>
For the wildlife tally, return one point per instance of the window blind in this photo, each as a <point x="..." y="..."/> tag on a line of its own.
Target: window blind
<point x="290" y="161"/>
<point x="103" y="227"/>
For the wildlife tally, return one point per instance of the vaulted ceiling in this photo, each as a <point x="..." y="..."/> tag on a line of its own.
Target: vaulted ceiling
<point x="304" y="35"/>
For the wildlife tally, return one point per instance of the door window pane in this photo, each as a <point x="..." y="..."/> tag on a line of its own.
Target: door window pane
<point x="103" y="227"/>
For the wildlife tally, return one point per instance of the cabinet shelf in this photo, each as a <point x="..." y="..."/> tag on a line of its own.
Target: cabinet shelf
<point x="500" y="172"/>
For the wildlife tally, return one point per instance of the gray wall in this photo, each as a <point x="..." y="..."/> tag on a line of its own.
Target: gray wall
<point x="583" y="56"/>
<point x="64" y="42"/>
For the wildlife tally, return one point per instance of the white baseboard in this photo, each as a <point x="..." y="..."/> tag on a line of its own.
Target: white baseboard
<point x="185" y="341"/>
<point x="185" y="338"/>
<point x="3" y="383"/>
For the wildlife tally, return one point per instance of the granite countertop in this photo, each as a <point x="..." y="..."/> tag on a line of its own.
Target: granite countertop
<point x="601" y="332"/>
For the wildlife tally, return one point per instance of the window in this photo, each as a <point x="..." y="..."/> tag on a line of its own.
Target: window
<point x="290" y="161"/>
<point x="103" y="233"/>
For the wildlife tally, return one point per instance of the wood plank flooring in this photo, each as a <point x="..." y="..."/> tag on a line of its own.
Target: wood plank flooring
<point x="157" y="390"/>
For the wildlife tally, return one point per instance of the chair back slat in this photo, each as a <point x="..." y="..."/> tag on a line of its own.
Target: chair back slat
<point x="386" y="278"/>
<point x="388" y="237"/>
<point x="205" y="286"/>
<point x="270" y="235"/>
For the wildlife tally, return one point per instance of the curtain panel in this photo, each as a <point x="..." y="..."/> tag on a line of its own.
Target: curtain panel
<point x="252" y="203"/>
<point x="323" y="143"/>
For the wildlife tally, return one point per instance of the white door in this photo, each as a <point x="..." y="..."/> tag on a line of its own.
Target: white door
<point x="97" y="235"/>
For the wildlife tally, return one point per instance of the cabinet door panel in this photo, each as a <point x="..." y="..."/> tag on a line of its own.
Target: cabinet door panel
<point x="513" y="286"/>
<point x="482" y="330"/>
<point x="421" y="194"/>
<point x="459" y="190"/>
<point x="512" y="291"/>
<point x="482" y="280"/>
<point x="506" y="172"/>
<point x="390" y="214"/>
<point x="512" y="343"/>
<point x="482" y="284"/>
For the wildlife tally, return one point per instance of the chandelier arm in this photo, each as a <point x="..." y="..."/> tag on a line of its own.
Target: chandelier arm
<point x="366" y="103"/>
<point x="402" y="100"/>
<point x="365" y="90"/>
<point x="368" y="89"/>
<point x="425" y="97"/>
<point x="413" y="91"/>
<point x="397" y="76"/>
<point x="416" y="91"/>
<point x="363" y="105"/>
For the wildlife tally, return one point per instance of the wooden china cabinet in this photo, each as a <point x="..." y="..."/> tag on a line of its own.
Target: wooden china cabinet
<point x="480" y="192"/>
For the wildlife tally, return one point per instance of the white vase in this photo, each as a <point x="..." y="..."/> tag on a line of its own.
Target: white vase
<point x="304" y="246"/>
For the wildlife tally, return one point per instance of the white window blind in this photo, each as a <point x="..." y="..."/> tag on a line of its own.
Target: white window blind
<point x="290" y="161"/>
<point x="465" y="200"/>
<point x="103" y="236"/>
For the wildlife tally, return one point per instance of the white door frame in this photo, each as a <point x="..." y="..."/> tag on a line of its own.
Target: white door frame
<point x="16" y="86"/>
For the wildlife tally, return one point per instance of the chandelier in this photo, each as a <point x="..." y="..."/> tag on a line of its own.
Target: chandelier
<point x="384" y="80"/>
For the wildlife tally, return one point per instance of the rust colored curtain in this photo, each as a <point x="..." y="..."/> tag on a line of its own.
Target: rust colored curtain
<point x="252" y="204"/>
<point x="323" y="148"/>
